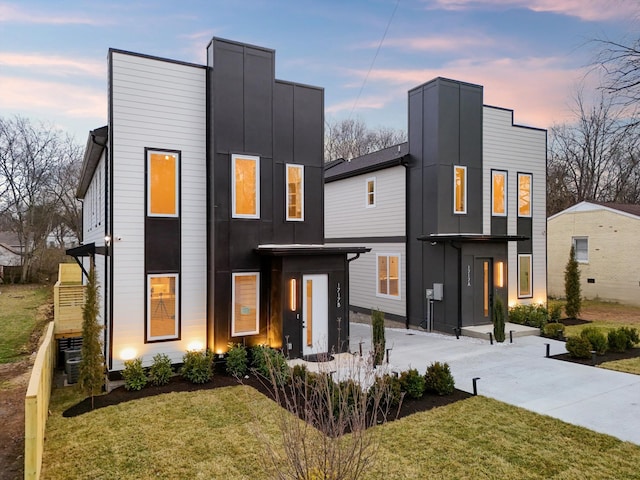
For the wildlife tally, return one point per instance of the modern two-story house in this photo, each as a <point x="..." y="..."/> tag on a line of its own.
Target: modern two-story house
<point x="203" y="209"/>
<point x="455" y="217"/>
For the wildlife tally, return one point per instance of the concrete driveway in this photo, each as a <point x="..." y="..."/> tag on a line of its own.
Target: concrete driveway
<point x="520" y="374"/>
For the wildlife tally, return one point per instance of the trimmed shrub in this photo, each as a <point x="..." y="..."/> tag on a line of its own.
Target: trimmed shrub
<point x="498" y="320"/>
<point x="197" y="366"/>
<point x="555" y="312"/>
<point x="596" y="338"/>
<point x="237" y="360"/>
<point x="438" y="379"/>
<point x="377" y="322"/>
<point x="133" y="374"/>
<point x="161" y="370"/>
<point x="413" y="383"/>
<point x="530" y="315"/>
<point x="553" y="330"/>
<point x="347" y="393"/>
<point x="633" y="337"/>
<point x="617" y="340"/>
<point x="578" y="347"/>
<point x="387" y="388"/>
<point x="267" y="361"/>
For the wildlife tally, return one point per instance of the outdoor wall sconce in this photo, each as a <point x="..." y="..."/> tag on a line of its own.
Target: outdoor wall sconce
<point x="293" y="295"/>
<point x="107" y="240"/>
<point x="128" y="353"/>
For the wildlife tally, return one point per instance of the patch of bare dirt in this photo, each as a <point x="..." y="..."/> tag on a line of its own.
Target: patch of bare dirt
<point x="611" y="312"/>
<point x="14" y="380"/>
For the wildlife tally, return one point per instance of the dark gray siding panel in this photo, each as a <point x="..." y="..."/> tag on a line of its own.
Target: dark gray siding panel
<point x="228" y="99"/>
<point x="308" y="128"/>
<point x="283" y="131"/>
<point x="525" y="228"/>
<point x="258" y="101"/>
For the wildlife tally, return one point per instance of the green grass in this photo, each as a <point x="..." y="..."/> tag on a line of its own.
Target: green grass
<point x="631" y="365"/>
<point x="214" y="434"/>
<point x="18" y="318"/>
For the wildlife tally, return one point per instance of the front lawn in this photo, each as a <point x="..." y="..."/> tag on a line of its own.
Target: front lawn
<point x="19" y="317"/>
<point x="220" y="433"/>
<point x="606" y="315"/>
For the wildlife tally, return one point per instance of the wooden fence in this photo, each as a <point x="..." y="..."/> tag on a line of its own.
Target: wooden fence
<point x="36" y="405"/>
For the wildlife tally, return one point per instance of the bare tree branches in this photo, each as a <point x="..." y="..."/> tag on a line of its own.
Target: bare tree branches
<point x="621" y="66"/>
<point x="351" y="138"/>
<point x="38" y="169"/>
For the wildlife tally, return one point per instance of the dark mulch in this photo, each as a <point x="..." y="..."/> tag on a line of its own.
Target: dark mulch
<point x="179" y="384"/>
<point x="568" y="322"/>
<point x="607" y="357"/>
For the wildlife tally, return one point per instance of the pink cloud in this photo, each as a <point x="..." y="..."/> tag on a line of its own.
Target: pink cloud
<point x="25" y="95"/>
<point x="12" y="14"/>
<point x="54" y="65"/>
<point x="439" y="44"/>
<point x="590" y="10"/>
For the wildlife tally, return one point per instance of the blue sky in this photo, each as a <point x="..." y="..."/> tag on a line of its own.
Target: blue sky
<point x="528" y="54"/>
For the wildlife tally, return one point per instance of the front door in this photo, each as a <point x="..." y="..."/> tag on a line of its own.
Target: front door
<point x="482" y="291"/>
<point x="315" y="314"/>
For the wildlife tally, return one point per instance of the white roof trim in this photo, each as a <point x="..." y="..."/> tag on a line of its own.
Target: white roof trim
<point x="585" y="206"/>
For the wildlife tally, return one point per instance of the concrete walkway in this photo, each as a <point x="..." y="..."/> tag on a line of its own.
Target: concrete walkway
<point x="519" y="374"/>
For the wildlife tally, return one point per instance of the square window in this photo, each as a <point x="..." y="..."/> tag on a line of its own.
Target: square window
<point x="295" y="192"/>
<point x="581" y="249"/>
<point x="525" y="289"/>
<point x="459" y="189"/>
<point x="245" y="186"/>
<point x="370" y="198"/>
<point x="162" y="183"/>
<point x="388" y="275"/>
<point x="498" y="193"/>
<point x="245" y="300"/>
<point x="162" y="307"/>
<point x="524" y="195"/>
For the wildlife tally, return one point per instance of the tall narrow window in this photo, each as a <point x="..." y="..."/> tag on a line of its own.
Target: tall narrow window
<point x="459" y="189"/>
<point x="162" y="307"/>
<point x="485" y="288"/>
<point x="162" y="184"/>
<point x="524" y="276"/>
<point x="581" y="249"/>
<point x="498" y="193"/>
<point x="370" y="199"/>
<point x="295" y="192"/>
<point x="245" y="186"/>
<point x="388" y="275"/>
<point x="245" y="300"/>
<point x="524" y="195"/>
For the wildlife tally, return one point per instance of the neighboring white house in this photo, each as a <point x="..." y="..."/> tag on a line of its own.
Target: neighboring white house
<point x="606" y="237"/>
<point x="454" y="217"/>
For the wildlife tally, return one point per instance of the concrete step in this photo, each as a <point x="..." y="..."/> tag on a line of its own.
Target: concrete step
<point x="482" y="331"/>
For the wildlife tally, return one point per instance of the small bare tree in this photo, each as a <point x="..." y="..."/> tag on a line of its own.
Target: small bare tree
<point x="352" y="138"/>
<point x="326" y="426"/>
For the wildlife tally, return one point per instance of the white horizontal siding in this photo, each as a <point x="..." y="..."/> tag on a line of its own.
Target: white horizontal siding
<point x="517" y="149"/>
<point x="346" y="214"/>
<point x="157" y="104"/>
<point x="93" y="207"/>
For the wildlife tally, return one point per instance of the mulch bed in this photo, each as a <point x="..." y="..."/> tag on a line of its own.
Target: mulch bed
<point x="179" y="384"/>
<point x="568" y="322"/>
<point x="607" y="357"/>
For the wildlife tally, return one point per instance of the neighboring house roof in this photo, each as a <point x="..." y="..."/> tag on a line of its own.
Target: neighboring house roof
<point x="584" y="206"/>
<point x="96" y="143"/>
<point x="385" y="158"/>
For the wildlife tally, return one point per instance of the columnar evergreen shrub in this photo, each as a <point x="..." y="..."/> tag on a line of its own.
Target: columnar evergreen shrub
<point x="572" y="286"/>
<point x="197" y="366"/>
<point x="498" y="320"/>
<point x="412" y="383"/>
<point x="133" y="374"/>
<point x="597" y="339"/>
<point x="578" y="347"/>
<point x="92" y="368"/>
<point x="237" y="360"/>
<point x="161" y="370"/>
<point x="378" y="343"/>
<point x="439" y="379"/>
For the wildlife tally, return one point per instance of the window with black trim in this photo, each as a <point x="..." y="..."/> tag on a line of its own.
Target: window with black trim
<point x="524" y="194"/>
<point x="162" y="184"/>
<point x="525" y="285"/>
<point x="459" y="189"/>
<point x="498" y="193"/>
<point x="163" y="310"/>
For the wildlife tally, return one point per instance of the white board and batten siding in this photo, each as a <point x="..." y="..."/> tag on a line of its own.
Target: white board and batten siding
<point x="156" y="104"/>
<point x="517" y="149"/>
<point x="348" y="216"/>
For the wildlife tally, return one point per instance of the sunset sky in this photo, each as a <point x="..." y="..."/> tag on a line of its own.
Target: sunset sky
<point x="530" y="55"/>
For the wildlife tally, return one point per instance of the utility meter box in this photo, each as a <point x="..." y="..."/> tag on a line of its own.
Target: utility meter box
<point x="438" y="291"/>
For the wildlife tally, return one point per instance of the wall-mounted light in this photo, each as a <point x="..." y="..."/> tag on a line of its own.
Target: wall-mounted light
<point x="293" y="295"/>
<point x="500" y="274"/>
<point x="107" y="240"/>
<point x="128" y="353"/>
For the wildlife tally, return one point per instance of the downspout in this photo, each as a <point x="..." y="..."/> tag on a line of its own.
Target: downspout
<point x="459" y="249"/>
